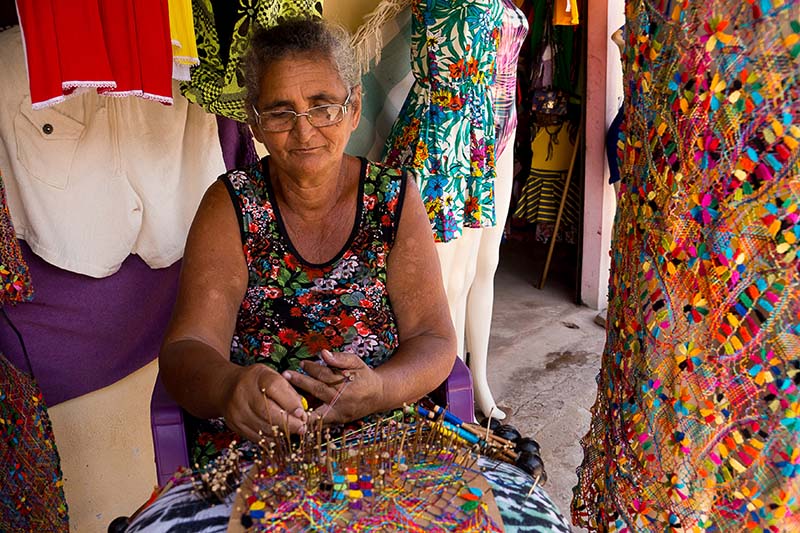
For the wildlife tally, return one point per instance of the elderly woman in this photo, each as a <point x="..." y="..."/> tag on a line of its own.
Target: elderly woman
<point x="296" y="258"/>
<point x="309" y="266"/>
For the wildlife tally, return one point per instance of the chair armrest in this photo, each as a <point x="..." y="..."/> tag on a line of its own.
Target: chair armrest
<point x="456" y="393"/>
<point x="169" y="434"/>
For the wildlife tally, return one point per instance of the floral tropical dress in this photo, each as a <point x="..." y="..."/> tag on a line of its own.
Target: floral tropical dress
<point x="445" y="133"/>
<point x="292" y="308"/>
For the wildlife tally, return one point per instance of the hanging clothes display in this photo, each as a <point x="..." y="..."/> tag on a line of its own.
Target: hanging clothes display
<point x="549" y="117"/>
<point x="540" y="197"/>
<point x="696" y="425"/>
<point x="512" y="36"/>
<point x="445" y="134"/>
<point x="95" y="179"/>
<point x="184" y="44"/>
<point x="118" y="48"/>
<point x="381" y="45"/>
<point x="223" y="29"/>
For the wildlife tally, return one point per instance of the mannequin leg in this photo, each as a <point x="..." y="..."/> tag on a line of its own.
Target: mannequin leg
<point x="480" y="299"/>
<point x="457" y="259"/>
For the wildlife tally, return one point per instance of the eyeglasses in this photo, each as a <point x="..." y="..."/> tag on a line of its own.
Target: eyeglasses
<point x="318" y="116"/>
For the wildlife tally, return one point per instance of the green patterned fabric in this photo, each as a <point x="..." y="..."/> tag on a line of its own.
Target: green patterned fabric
<point x="445" y="134"/>
<point x="217" y="83"/>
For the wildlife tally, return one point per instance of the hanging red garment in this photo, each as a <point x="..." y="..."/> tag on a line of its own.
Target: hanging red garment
<point x="117" y="47"/>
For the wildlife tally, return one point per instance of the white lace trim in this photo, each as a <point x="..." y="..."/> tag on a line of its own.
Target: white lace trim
<point x="48" y="103"/>
<point x="181" y="72"/>
<point x="79" y="84"/>
<point x="120" y="94"/>
<point x="186" y="60"/>
<point x="166" y="100"/>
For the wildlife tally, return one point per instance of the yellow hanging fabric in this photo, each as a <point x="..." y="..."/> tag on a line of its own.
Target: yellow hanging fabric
<point x="565" y="13"/>
<point x="184" y="46"/>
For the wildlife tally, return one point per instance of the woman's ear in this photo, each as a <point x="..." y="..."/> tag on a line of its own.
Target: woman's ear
<point x="256" y="132"/>
<point x="356" y="101"/>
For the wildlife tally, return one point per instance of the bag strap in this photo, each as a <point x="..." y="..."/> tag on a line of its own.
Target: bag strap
<point x="547" y="40"/>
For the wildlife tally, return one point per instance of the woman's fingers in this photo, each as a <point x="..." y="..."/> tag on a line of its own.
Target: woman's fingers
<point x="323" y="388"/>
<point x="318" y="371"/>
<point x="276" y="388"/>
<point x="347" y="386"/>
<point x="257" y="421"/>
<point x="342" y="360"/>
<point x="324" y="379"/>
<point x="262" y="398"/>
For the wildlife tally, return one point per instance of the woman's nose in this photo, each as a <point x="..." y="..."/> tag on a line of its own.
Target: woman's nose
<point x="302" y="129"/>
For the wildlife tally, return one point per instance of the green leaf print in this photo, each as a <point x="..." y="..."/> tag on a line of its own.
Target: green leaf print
<point x="353" y="299"/>
<point x="284" y="276"/>
<point x="302" y="353"/>
<point x="277" y="353"/>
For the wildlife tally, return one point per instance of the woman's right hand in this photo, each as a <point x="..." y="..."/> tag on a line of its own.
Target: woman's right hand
<point x="256" y="398"/>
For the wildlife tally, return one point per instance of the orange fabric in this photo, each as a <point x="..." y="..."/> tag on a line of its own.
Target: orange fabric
<point x="565" y="13"/>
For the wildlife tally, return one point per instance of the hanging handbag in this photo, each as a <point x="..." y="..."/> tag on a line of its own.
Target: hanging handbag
<point x="548" y="103"/>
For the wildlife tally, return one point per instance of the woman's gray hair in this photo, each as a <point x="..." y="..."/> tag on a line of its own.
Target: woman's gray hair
<point x="297" y="36"/>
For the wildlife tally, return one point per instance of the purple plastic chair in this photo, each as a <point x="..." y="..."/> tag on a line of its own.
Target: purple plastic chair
<point x="169" y="437"/>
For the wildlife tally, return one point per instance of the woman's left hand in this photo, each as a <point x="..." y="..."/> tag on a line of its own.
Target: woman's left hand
<point x="361" y="387"/>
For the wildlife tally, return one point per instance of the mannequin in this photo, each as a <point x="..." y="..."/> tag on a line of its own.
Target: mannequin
<point x="469" y="263"/>
<point x="469" y="260"/>
<point x="468" y="266"/>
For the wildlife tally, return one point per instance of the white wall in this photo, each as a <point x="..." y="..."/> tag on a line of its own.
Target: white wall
<point x="604" y="89"/>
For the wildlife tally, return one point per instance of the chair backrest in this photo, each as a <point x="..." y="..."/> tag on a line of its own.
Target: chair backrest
<point x="169" y="436"/>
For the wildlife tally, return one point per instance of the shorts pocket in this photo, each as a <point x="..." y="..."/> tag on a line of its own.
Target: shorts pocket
<point x="46" y="143"/>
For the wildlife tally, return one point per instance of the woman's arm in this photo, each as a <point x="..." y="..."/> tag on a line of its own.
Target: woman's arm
<point x="427" y="346"/>
<point x="194" y="359"/>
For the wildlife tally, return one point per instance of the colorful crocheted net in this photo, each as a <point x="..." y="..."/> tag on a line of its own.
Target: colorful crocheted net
<point x="697" y="420"/>
<point x="32" y="495"/>
<point x="15" y="283"/>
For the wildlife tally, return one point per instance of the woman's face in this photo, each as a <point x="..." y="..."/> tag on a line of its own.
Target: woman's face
<point x="297" y="83"/>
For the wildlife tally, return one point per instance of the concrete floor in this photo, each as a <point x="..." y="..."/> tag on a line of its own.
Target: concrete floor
<point x="544" y="357"/>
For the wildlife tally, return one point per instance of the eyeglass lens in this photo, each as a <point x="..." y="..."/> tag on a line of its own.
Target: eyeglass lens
<point x="320" y="116"/>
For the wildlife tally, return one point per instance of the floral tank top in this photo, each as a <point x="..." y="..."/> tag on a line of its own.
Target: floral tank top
<point x="293" y="309"/>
